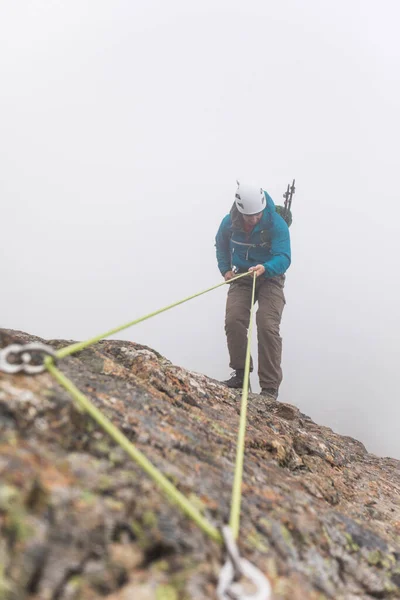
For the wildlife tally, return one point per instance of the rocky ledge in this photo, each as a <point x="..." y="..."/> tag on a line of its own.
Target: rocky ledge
<point x="80" y="521"/>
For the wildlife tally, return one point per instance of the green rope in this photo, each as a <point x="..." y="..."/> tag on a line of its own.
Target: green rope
<point x="237" y="483"/>
<point x="166" y="486"/>
<point x="81" y="345"/>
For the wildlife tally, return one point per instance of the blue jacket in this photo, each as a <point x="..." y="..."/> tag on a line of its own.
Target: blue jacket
<point x="267" y="244"/>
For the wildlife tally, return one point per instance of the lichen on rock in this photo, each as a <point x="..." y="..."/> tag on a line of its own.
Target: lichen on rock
<point x="80" y="521"/>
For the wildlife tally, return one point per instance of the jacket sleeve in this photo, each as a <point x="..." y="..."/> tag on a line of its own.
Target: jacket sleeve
<point x="222" y="240"/>
<point x="280" y="247"/>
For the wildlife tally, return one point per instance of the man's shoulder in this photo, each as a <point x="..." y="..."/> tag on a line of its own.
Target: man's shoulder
<point x="226" y="221"/>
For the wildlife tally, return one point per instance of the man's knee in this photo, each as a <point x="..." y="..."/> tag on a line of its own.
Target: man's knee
<point x="268" y="323"/>
<point x="235" y="317"/>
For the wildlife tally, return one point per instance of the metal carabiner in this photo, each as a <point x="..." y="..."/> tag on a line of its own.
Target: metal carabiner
<point x="24" y="355"/>
<point x="235" y="567"/>
<point x="228" y="589"/>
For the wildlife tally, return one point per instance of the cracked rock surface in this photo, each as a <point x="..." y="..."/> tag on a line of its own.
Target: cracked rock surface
<point x="80" y="521"/>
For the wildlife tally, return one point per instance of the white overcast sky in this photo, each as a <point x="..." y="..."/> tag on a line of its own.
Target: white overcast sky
<point x="123" y="128"/>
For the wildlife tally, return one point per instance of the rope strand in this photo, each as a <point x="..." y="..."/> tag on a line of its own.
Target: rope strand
<point x="68" y="350"/>
<point x="163" y="483"/>
<point x="237" y="483"/>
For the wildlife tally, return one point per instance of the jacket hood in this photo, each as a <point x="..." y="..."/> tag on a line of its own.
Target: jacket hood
<point x="236" y="217"/>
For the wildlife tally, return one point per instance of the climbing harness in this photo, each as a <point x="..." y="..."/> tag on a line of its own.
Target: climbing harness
<point x="18" y="358"/>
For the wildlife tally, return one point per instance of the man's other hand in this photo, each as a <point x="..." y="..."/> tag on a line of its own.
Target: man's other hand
<point x="228" y="275"/>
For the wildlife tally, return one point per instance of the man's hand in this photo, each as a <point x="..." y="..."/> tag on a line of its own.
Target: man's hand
<point x="258" y="269"/>
<point x="228" y="275"/>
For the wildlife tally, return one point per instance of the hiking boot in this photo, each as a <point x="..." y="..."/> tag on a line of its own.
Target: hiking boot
<point x="236" y="380"/>
<point x="271" y="393"/>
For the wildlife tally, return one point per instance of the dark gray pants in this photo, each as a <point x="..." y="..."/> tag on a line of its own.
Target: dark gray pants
<point x="271" y="301"/>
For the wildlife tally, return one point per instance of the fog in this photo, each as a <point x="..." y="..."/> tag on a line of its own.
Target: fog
<point x="124" y="126"/>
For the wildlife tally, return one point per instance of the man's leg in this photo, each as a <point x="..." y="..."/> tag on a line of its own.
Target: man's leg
<point x="237" y="319"/>
<point x="271" y="301"/>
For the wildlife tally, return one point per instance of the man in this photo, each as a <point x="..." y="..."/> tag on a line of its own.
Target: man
<point x="254" y="237"/>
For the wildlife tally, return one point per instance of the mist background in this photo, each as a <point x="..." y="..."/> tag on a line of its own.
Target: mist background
<point x="123" y="128"/>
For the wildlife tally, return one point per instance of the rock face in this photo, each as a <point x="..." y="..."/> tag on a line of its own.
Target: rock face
<point x="80" y="521"/>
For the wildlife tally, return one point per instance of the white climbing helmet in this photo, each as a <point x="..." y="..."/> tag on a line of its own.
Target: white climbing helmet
<point x="249" y="199"/>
